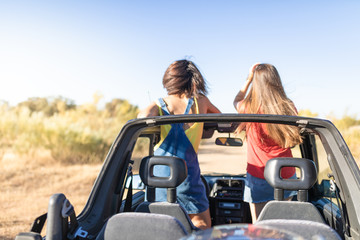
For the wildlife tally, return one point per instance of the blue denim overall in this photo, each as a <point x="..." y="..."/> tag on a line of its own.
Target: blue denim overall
<point x="191" y="194"/>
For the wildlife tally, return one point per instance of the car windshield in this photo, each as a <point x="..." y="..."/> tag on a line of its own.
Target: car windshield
<point x="222" y="159"/>
<point x="220" y="151"/>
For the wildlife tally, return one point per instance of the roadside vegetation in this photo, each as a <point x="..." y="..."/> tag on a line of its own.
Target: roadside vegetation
<point x="349" y="127"/>
<point x="72" y="134"/>
<point x="83" y="134"/>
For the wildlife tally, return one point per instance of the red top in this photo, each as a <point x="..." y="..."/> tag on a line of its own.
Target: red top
<point x="261" y="148"/>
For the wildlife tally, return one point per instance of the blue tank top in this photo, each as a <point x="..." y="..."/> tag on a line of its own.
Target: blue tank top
<point x="191" y="194"/>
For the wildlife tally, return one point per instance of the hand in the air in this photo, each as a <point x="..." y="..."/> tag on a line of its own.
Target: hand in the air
<point x="251" y="71"/>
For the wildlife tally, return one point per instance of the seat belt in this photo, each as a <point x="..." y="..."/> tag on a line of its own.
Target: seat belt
<point x="335" y="189"/>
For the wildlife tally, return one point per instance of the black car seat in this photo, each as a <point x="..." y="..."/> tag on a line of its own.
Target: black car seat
<point x="178" y="173"/>
<point x="298" y="210"/>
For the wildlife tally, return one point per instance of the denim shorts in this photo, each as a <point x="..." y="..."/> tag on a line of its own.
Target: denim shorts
<point x="258" y="190"/>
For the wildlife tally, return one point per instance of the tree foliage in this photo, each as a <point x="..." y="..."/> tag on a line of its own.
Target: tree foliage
<point x="120" y="108"/>
<point x="48" y="106"/>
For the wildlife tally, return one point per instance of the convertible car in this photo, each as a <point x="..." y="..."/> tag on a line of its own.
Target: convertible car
<point x="121" y="203"/>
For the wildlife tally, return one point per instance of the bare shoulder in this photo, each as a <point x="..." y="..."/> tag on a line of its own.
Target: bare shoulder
<point x="151" y="110"/>
<point x="205" y="105"/>
<point x="202" y="99"/>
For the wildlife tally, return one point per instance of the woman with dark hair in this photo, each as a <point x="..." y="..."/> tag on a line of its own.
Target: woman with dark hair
<point x="187" y="91"/>
<point x="265" y="141"/>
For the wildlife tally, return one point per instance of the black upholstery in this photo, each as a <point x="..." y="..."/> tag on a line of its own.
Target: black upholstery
<point x="306" y="180"/>
<point x="306" y="229"/>
<point x="301" y="209"/>
<point x="177" y="176"/>
<point x="140" y="226"/>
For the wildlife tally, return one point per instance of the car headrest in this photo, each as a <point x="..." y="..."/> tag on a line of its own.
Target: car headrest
<point x="178" y="171"/>
<point x="305" y="181"/>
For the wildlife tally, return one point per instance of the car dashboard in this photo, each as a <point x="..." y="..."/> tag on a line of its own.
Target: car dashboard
<point x="226" y="200"/>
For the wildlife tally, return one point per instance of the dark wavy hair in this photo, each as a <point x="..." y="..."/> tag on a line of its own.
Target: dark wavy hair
<point x="183" y="77"/>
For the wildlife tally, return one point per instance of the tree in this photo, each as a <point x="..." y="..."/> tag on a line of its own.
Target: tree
<point x="49" y="106"/>
<point x="122" y="109"/>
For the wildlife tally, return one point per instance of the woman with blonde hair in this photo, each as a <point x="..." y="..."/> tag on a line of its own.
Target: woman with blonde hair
<point x="187" y="91"/>
<point x="265" y="141"/>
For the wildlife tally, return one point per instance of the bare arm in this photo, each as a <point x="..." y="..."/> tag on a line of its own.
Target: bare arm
<point x="151" y="110"/>
<point x="242" y="93"/>
<point x="205" y="106"/>
<point x="212" y="108"/>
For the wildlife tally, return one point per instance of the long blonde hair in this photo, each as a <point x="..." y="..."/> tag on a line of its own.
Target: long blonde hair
<point x="267" y="96"/>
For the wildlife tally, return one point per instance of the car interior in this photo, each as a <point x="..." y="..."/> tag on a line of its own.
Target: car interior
<point x="225" y="190"/>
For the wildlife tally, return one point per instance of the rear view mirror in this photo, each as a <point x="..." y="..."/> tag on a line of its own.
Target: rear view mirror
<point x="228" y="141"/>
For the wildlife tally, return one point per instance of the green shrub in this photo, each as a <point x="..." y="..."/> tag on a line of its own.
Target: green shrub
<point x="307" y="113"/>
<point x="345" y="122"/>
<point x="349" y="126"/>
<point x="81" y="134"/>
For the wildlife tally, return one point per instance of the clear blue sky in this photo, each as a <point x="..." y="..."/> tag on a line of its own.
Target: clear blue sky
<point x="121" y="49"/>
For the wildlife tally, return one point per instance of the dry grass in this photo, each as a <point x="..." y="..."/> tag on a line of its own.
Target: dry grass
<point x="27" y="184"/>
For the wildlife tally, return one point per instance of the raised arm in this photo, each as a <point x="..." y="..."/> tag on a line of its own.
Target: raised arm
<point x="242" y="93"/>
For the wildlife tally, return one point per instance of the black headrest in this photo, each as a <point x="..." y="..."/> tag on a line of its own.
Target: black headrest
<point x="178" y="171"/>
<point x="307" y="169"/>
